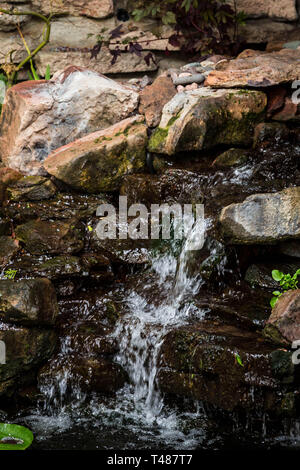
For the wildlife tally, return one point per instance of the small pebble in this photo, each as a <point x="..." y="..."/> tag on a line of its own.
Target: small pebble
<point x="207" y="63"/>
<point x="174" y="75"/>
<point x="145" y="81"/>
<point x="184" y="74"/>
<point x="191" y="65"/>
<point x="192" y="86"/>
<point x="180" y="88"/>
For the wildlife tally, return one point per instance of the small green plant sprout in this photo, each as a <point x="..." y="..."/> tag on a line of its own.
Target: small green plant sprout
<point x="238" y="359"/>
<point x="286" y="281"/>
<point x="90" y="228"/>
<point x="48" y="73"/>
<point x="10" y="274"/>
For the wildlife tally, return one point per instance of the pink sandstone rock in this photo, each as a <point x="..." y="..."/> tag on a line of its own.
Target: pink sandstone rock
<point x="40" y="116"/>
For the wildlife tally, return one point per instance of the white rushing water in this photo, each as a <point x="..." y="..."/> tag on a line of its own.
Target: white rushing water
<point x="141" y="332"/>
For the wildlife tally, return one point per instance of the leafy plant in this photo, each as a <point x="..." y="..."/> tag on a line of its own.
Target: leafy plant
<point x="14" y="437"/>
<point x="9" y="67"/>
<point x="286" y="281"/>
<point x="200" y="26"/>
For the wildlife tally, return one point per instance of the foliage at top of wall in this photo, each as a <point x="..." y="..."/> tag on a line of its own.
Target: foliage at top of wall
<point x="200" y="26"/>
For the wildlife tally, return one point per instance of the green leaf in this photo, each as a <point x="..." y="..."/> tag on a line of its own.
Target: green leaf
<point x="169" y="18"/>
<point x="239" y="360"/>
<point x="277" y="275"/>
<point x="273" y="301"/>
<point x="276" y="292"/>
<point x="34" y="72"/>
<point x="3" y="78"/>
<point x="16" y="432"/>
<point x="48" y="73"/>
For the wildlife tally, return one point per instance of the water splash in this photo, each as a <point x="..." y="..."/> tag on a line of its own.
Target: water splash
<point x="143" y="329"/>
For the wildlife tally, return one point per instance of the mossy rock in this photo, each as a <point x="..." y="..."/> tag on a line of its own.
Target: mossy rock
<point x="205" y="118"/>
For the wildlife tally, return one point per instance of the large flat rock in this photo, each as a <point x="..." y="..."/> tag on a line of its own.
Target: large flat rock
<point x="99" y="161"/>
<point x="225" y="366"/>
<point x="257" y="69"/>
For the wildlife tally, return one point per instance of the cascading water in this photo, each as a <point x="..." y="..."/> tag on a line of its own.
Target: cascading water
<point x="139" y="334"/>
<point x="144" y="327"/>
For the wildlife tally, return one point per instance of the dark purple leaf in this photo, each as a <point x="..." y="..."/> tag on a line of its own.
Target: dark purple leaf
<point x="95" y="51"/>
<point x="135" y="48"/>
<point x="116" y="33"/>
<point x="115" y="53"/>
<point x="148" y="59"/>
<point x="174" y="40"/>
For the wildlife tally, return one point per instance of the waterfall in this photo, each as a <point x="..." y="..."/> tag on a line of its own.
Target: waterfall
<point x="139" y="407"/>
<point x="141" y="332"/>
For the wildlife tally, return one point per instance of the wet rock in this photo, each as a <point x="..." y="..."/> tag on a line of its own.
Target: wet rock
<point x="8" y="248"/>
<point x="28" y="302"/>
<point x="26" y="350"/>
<point x="290" y="248"/>
<point x="276" y="98"/>
<point x="66" y="288"/>
<point x="87" y="374"/>
<point x="31" y="188"/>
<point x="52" y="268"/>
<point x="261" y="69"/>
<point x="240" y="307"/>
<point x="120" y="251"/>
<point x="154" y="97"/>
<point x="283" y="326"/>
<point x="5" y="226"/>
<point x="60" y="268"/>
<point x="231" y="158"/>
<point x="41" y="116"/>
<point x="62" y="207"/>
<point x="266" y="132"/>
<point x="172" y="185"/>
<point x="288" y="112"/>
<point x="99" y="161"/>
<point x="42" y="237"/>
<point x="207" y="263"/>
<point x="263" y="218"/>
<point x="95" y="9"/>
<point x="261" y="274"/>
<point x="9" y="176"/>
<point x="201" y="362"/>
<point x="204" y="118"/>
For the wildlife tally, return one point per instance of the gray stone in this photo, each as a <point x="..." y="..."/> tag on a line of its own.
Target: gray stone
<point x="263" y="218"/>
